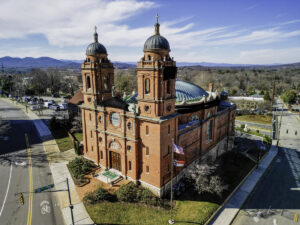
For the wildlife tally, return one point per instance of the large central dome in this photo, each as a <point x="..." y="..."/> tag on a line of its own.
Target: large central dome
<point x="184" y="91"/>
<point x="156" y="41"/>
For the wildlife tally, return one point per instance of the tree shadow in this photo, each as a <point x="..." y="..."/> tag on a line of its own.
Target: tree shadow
<point x="13" y="145"/>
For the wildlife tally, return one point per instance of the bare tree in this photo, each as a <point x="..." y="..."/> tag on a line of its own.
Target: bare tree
<point x="205" y="179"/>
<point x="54" y="80"/>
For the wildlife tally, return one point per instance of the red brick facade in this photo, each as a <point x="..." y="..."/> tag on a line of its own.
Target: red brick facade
<point x="138" y="143"/>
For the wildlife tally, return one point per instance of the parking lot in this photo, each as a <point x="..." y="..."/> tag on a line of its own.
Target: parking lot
<point x="46" y="106"/>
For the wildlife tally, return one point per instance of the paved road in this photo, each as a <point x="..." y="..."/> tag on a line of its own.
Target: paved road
<point x="15" y="173"/>
<point x="276" y="198"/>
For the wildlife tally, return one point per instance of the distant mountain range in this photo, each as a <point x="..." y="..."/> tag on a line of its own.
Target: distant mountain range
<point x="47" y="62"/>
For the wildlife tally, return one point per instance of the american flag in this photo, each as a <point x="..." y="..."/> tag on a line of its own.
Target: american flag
<point x="178" y="149"/>
<point x="179" y="163"/>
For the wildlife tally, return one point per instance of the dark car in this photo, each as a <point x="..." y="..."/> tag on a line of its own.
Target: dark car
<point x="54" y="107"/>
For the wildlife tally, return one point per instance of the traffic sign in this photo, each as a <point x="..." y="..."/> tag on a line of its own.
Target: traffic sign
<point x="38" y="190"/>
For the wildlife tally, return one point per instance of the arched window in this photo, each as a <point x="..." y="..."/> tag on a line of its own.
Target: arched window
<point x="147" y="130"/>
<point x="147" y="86"/>
<point x="209" y="130"/>
<point x="168" y="87"/>
<point x="88" y="82"/>
<point x="129" y="165"/>
<point x="209" y="114"/>
<point x="105" y="82"/>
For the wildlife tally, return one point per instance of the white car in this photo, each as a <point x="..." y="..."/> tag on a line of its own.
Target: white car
<point x="31" y="103"/>
<point x="33" y="107"/>
<point x="63" y="106"/>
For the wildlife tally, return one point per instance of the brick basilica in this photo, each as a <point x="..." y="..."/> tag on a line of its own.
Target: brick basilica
<point x="134" y="137"/>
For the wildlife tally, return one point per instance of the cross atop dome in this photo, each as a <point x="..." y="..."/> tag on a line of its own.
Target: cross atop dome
<point x="96" y="35"/>
<point x="156" y="25"/>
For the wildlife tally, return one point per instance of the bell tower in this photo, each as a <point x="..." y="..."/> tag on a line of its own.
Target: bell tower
<point x="156" y="74"/>
<point x="97" y="73"/>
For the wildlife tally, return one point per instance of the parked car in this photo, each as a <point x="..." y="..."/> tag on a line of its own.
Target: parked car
<point x="47" y="104"/>
<point x="63" y="106"/>
<point x="33" y="107"/>
<point x="32" y="102"/>
<point x="54" y="107"/>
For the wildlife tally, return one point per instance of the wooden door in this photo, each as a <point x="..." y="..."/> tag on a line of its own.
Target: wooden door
<point x="115" y="161"/>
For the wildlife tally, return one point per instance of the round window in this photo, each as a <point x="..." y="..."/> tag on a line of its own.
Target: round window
<point x="89" y="99"/>
<point x="147" y="108"/>
<point x="115" y="119"/>
<point x="129" y="126"/>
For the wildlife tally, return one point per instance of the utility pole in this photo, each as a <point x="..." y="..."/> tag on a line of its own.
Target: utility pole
<point x="171" y="221"/>
<point x="278" y="127"/>
<point x="71" y="206"/>
<point x="273" y="94"/>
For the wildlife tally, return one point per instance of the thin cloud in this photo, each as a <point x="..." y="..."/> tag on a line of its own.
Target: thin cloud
<point x="251" y="7"/>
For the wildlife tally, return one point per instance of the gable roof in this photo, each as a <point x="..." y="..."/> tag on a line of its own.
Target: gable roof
<point x="77" y="99"/>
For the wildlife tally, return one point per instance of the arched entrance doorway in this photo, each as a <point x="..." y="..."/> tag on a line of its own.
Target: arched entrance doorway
<point x="115" y="160"/>
<point x="114" y="157"/>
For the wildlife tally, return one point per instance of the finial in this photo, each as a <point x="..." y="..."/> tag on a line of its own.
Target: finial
<point x="156" y="25"/>
<point x="96" y="35"/>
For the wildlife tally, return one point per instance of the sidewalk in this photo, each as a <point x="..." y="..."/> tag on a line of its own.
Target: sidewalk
<point x="58" y="165"/>
<point x="231" y="208"/>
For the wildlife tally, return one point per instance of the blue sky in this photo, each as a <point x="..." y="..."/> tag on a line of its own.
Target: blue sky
<point x="222" y="31"/>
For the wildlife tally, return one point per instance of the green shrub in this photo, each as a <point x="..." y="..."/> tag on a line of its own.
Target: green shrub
<point x="136" y="193"/>
<point x="90" y="198"/>
<point x="102" y="195"/>
<point x="80" y="166"/>
<point x="242" y="126"/>
<point x="77" y="148"/>
<point x="128" y="193"/>
<point x="257" y="131"/>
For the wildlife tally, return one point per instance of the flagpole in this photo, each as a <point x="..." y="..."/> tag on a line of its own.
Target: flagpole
<point x="171" y="221"/>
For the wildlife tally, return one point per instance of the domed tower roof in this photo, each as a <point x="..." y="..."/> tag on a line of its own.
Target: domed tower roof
<point x="156" y="41"/>
<point x="96" y="48"/>
<point x="188" y="91"/>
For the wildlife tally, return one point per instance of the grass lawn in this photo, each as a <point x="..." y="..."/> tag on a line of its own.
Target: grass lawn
<point x="78" y="136"/>
<point x="186" y="212"/>
<point x="126" y="213"/>
<point x="62" y="139"/>
<point x="264" y="119"/>
<point x="193" y="212"/>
